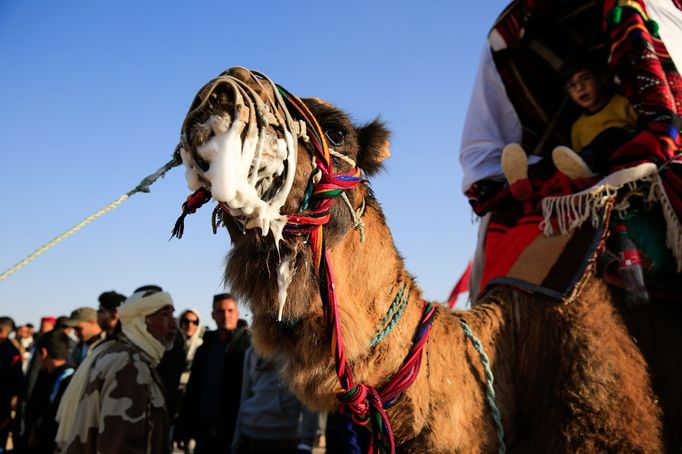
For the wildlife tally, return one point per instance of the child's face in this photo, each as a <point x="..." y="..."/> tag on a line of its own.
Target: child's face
<point x="584" y="88"/>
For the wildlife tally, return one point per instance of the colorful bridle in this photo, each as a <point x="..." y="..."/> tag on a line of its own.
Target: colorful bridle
<point x="366" y="404"/>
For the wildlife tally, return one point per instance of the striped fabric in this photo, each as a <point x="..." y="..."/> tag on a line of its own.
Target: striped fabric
<point x="518" y="254"/>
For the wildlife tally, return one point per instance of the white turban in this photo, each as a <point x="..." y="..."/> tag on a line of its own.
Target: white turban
<point x="132" y="315"/>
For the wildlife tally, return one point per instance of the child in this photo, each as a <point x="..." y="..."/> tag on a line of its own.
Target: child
<point x="607" y="122"/>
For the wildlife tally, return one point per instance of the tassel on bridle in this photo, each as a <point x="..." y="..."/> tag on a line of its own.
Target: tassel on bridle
<point x="193" y="202"/>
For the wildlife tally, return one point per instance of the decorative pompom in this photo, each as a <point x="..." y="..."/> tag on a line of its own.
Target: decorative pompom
<point x="615" y="15"/>
<point x="652" y="25"/>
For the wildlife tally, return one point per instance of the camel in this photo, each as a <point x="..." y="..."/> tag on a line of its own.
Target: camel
<point x="567" y="377"/>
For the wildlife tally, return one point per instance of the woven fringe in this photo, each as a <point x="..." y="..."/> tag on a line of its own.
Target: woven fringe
<point x="673" y="236"/>
<point x="571" y="211"/>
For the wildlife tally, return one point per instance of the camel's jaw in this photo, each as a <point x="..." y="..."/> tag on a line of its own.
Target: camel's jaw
<point x="253" y="268"/>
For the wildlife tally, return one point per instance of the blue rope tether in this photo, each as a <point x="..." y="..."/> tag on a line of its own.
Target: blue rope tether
<point x="490" y="390"/>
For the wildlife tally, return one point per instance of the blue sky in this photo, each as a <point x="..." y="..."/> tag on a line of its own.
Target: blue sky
<point x="94" y="94"/>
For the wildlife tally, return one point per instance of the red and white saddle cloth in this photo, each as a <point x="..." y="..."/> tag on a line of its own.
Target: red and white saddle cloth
<point x="549" y="248"/>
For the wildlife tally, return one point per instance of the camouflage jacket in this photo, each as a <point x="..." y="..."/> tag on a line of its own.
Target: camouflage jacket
<point x="123" y="409"/>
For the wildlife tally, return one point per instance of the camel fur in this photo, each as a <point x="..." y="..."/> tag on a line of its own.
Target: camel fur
<point x="568" y="377"/>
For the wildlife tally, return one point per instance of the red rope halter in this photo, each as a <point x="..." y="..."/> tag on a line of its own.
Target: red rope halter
<point x="366" y="404"/>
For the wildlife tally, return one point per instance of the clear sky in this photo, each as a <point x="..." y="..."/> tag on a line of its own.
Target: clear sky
<point x="94" y="93"/>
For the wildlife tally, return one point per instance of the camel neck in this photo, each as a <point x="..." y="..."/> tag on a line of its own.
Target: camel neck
<point x="369" y="278"/>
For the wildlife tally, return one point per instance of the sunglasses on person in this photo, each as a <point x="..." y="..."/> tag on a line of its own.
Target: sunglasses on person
<point x="186" y="321"/>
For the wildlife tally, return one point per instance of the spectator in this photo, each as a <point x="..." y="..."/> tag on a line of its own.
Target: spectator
<point x="115" y="402"/>
<point x="34" y="369"/>
<point x="170" y="367"/>
<point x="210" y="407"/>
<point x="40" y="427"/>
<point x="10" y="377"/>
<point x="193" y="332"/>
<point x="61" y="325"/>
<point x="84" y="322"/>
<point x="21" y="335"/>
<point x="46" y="324"/>
<point x="271" y="419"/>
<point x="36" y="373"/>
<point x="107" y="314"/>
<point x="31" y="329"/>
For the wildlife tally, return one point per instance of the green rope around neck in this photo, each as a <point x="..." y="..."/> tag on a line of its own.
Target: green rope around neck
<point x="489" y="381"/>
<point x="395" y="311"/>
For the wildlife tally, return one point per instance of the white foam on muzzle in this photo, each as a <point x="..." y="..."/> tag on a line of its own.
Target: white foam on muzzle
<point x="243" y="168"/>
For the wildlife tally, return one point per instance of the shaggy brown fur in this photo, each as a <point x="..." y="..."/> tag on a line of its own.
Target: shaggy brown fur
<point x="568" y="377"/>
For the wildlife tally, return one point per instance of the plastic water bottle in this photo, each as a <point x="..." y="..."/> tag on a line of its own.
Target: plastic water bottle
<point x="630" y="270"/>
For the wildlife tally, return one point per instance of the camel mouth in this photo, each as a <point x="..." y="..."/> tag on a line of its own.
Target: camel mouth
<point x="239" y="142"/>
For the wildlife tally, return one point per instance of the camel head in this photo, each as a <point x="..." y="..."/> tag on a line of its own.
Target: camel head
<point x="259" y="152"/>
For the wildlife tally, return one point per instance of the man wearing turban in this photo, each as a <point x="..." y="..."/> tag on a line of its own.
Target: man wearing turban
<point x="115" y="401"/>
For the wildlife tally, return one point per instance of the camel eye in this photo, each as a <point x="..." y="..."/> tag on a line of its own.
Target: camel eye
<point x="336" y="136"/>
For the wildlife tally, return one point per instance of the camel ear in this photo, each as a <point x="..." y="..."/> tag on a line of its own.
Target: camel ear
<point x="374" y="146"/>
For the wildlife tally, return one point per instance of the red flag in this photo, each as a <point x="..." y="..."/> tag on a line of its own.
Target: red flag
<point x="461" y="286"/>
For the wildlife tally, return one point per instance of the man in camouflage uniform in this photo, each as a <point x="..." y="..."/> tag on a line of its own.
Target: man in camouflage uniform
<point x="115" y="401"/>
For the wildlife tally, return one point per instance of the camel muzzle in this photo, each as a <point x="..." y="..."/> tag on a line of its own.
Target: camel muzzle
<point x="239" y="142"/>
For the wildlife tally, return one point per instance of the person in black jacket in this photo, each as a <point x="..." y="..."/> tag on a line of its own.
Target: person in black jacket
<point x="211" y="404"/>
<point x="11" y="377"/>
<point x="52" y="351"/>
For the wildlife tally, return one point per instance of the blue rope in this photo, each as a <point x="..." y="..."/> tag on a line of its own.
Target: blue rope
<point x="395" y="311"/>
<point x="490" y="390"/>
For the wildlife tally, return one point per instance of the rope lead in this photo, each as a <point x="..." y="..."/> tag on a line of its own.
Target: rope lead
<point x="142" y="187"/>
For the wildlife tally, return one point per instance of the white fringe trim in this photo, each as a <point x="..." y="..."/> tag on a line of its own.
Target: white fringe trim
<point x="571" y="211"/>
<point x="673" y="235"/>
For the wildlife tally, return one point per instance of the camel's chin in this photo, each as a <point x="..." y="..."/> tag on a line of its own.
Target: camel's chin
<point x="274" y="337"/>
<point x="259" y="247"/>
<point x="294" y="317"/>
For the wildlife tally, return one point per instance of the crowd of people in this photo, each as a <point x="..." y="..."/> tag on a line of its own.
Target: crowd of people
<point x="129" y="377"/>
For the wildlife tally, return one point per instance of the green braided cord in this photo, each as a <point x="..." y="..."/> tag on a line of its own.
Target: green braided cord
<point x="394" y="306"/>
<point x="490" y="390"/>
<point x="392" y="316"/>
<point x="142" y="187"/>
